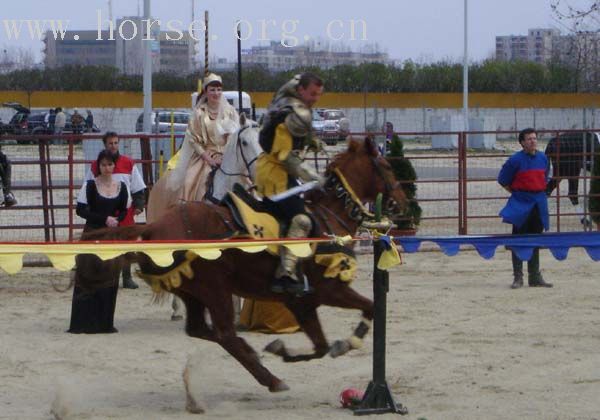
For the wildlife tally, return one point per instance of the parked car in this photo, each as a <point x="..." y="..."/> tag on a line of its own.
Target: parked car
<point x="18" y="123"/>
<point x="25" y="122"/>
<point x="161" y="121"/>
<point x="3" y="127"/>
<point x="331" y="125"/>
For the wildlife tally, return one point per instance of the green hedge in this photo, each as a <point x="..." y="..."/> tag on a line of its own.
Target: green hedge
<point x="487" y="76"/>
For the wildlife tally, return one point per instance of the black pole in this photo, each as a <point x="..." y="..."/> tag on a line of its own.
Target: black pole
<point x="44" y="179"/>
<point x="239" y="65"/>
<point x="378" y="397"/>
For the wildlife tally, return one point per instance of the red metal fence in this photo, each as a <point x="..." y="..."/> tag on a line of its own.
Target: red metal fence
<point x="456" y="188"/>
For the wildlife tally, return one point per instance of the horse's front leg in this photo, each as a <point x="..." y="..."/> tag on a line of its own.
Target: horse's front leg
<point x="307" y="317"/>
<point x="219" y="302"/>
<point x="343" y="296"/>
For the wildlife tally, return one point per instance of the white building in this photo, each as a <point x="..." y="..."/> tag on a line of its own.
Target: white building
<point x="277" y="57"/>
<point x="124" y="49"/>
<point x="539" y="45"/>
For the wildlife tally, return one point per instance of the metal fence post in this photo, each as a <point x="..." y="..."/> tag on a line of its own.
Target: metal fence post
<point x="462" y="183"/>
<point x="71" y="182"/>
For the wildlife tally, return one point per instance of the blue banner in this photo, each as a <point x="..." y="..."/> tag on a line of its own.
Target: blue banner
<point x="523" y="245"/>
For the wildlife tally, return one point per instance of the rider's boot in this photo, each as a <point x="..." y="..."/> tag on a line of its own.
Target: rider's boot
<point x="286" y="280"/>
<point x="9" y="198"/>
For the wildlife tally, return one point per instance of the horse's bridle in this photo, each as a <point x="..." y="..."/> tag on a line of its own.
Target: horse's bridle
<point x="337" y="182"/>
<point x="247" y="164"/>
<point x="388" y="202"/>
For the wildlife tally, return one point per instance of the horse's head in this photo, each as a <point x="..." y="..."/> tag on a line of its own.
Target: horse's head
<point x="242" y="150"/>
<point x="368" y="173"/>
<point x="239" y="160"/>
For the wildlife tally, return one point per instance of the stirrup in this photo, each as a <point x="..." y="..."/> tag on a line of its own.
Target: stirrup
<point x="286" y="284"/>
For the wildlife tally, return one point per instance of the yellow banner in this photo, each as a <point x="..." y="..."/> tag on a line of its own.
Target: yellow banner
<point x="62" y="255"/>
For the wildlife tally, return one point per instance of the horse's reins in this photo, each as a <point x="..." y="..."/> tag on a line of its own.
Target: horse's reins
<point x="342" y="189"/>
<point x="388" y="188"/>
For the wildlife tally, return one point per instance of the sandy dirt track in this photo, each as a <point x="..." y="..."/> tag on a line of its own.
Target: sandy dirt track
<point x="461" y="345"/>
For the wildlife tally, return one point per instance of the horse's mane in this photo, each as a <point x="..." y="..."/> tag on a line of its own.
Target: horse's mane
<point x="355" y="144"/>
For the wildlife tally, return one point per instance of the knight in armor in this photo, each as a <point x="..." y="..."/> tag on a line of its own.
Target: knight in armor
<point x="284" y="137"/>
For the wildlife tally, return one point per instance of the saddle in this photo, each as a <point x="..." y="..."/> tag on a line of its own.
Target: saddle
<point x="253" y="217"/>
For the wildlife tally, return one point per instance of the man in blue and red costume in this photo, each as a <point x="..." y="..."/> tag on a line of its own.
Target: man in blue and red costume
<point x="525" y="175"/>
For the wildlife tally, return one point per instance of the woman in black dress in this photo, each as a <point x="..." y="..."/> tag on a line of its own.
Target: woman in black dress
<point x="102" y="202"/>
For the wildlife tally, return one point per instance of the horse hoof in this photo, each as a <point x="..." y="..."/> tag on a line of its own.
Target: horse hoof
<point x="275" y="347"/>
<point x="194" y="409"/>
<point x="192" y="406"/>
<point x="176" y="317"/>
<point x="279" y="386"/>
<point x="339" y="348"/>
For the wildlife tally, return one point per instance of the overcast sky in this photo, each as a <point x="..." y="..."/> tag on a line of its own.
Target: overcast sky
<point x="421" y="30"/>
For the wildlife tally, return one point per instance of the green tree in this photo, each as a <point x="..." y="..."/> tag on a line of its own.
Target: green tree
<point x="594" y="202"/>
<point x="406" y="174"/>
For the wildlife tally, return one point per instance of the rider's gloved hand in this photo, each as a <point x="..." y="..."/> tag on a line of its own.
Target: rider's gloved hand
<point x="296" y="167"/>
<point x="316" y="145"/>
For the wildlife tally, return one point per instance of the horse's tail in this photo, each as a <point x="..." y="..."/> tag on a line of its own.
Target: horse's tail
<point x="121" y="233"/>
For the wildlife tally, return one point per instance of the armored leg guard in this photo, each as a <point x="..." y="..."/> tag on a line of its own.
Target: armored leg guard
<point x="287" y="278"/>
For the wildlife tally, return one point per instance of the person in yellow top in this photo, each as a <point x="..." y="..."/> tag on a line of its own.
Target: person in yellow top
<point x="284" y="136"/>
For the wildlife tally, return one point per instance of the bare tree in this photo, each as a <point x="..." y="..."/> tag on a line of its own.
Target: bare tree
<point x="16" y="58"/>
<point x="581" y="47"/>
<point x="579" y="16"/>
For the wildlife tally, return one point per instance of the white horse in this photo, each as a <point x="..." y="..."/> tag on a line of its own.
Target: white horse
<point x="239" y="161"/>
<point x="238" y="166"/>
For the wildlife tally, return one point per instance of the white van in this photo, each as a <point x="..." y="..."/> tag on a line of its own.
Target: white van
<point x="232" y="96"/>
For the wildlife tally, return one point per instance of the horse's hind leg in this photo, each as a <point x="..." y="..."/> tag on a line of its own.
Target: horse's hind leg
<point x="237" y="309"/>
<point x="177" y="306"/>
<point x="195" y="322"/>
<point x="308" y="319"/>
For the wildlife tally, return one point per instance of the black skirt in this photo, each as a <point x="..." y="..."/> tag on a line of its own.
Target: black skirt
<point x="94" y="295"/>
<point x="93" y="312"/>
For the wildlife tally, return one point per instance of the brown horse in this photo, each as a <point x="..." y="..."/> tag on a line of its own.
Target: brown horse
<point x="337" y="209"/>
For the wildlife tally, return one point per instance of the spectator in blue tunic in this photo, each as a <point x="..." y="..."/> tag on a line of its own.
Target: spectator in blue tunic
<point x="525" y="175"/>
